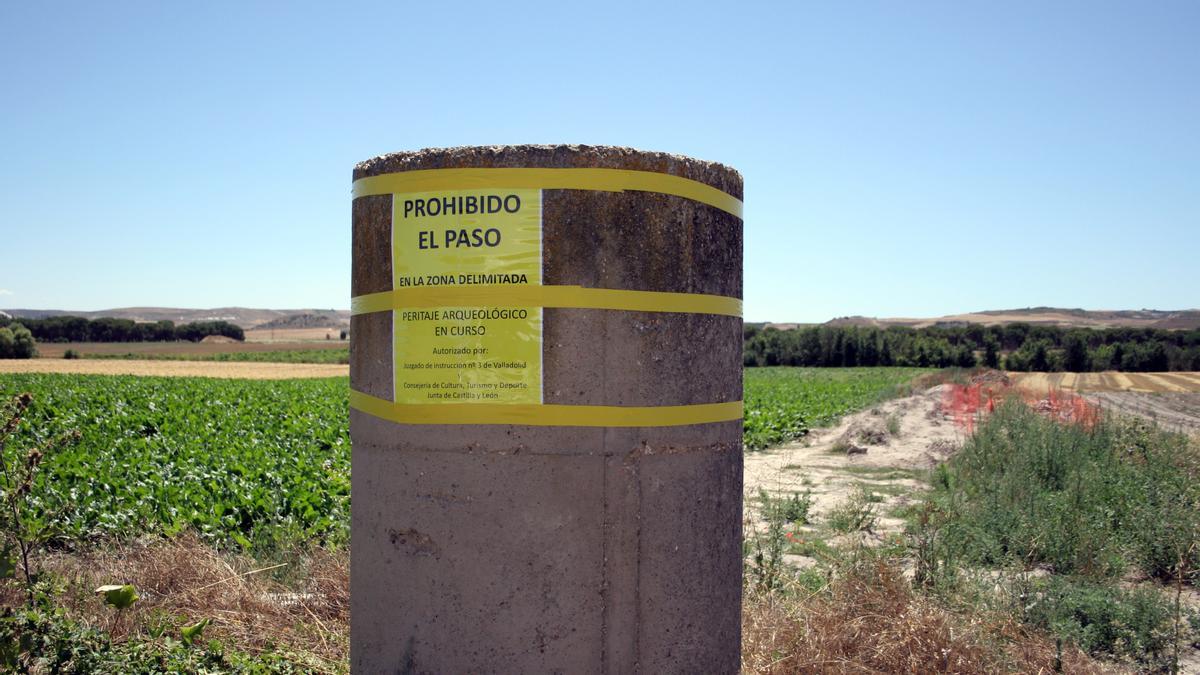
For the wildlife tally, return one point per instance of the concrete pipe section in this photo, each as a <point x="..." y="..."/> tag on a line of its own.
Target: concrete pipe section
<point x="545" y="365"/>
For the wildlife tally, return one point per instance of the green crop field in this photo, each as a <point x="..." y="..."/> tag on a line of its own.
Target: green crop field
<point x="263" y="462"/>
<point x="249" y="461"/>
<point x="783" y="403"/>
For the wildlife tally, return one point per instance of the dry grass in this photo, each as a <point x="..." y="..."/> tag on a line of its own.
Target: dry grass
<point x="868" y="620"/>
<point x="182" y="580"/>
<point x="250" y="370"/>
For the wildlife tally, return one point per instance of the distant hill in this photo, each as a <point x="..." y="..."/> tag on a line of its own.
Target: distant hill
<point x="330" y="319"/>
<point x="1187" y="319"/>
<point x="242" y="316"/>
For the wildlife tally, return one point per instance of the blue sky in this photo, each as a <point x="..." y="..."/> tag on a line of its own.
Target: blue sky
<point x="901" y="159"/>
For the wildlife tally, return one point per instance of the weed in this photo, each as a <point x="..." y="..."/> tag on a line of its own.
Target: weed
<point x="790" y="509"/>
<point x="893" y="425"/>
<point x="1082" y="500"/>
<point x="764" y="555"/>
<point x="855" y="514"/>
<point x="810" y="546"/>
<point x="1101" y="618"/>
<point x="1085" y="501"/>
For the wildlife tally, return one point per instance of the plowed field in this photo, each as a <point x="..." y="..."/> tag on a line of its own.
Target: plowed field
<point x="1146" y="383"/>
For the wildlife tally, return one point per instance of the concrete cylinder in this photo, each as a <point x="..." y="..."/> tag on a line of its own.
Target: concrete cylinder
<point x="546" y="425"/>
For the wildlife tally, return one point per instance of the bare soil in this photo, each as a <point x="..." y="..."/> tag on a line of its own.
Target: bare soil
<point x="1170" y="399"/>
<point x="892" y="467"/>
<point x="217" y="369"/>
<point x="895" y="463"/>
<point x="1174" y="411"/>
<point x="1108" y="381"/>
<point x="305" y="335"/>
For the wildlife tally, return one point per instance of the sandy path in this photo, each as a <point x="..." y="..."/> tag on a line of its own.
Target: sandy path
<point x="892" y="467"/>
<point x="217" y="369"/>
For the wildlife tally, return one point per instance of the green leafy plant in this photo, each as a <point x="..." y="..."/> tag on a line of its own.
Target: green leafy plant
<point x="268" y="461"/>
<point x="119" y="596"/>
<point x="193" y="633"/>
<point x="24" y="527"/>
<point x="782" y="404"/>
<point x="46" y="640"/>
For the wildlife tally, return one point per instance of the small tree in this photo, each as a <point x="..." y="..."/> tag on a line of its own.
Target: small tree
<point x="991" y="351"/>
<point x="1076" y="358"/>
<point x="16" y="342"/>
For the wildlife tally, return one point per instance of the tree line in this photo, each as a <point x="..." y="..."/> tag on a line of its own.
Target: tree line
<point x="1014" y="346"/>
<point x="79" y="329"/>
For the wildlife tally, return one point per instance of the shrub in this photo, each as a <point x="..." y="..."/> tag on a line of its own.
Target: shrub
<point x="1086" y="501"/>
<point x="1100" y="618"/>
<point x="855" y="514"/>
<point x="791" y="509"/>
<point x="16" y="342"/>
<point x="70" y="354"/>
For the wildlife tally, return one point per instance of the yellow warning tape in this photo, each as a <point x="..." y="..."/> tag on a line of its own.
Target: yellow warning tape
<point x="547" y="415"/>
<point x="576" y="297"/>
<point x="607" y="180"/>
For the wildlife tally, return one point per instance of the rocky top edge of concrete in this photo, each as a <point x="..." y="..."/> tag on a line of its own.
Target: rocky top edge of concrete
<point x="717" y="175"/>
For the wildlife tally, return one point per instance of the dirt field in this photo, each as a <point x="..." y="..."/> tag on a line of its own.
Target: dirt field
<point x="1176" y="411"/>
<point x="891" y="465"/>
<point x="217" y="369"/>
<point x="1108" y="381"/>
<point x="891" y="468"/>
<point x="305" y="335"/>
<point x="55" y="350"/>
